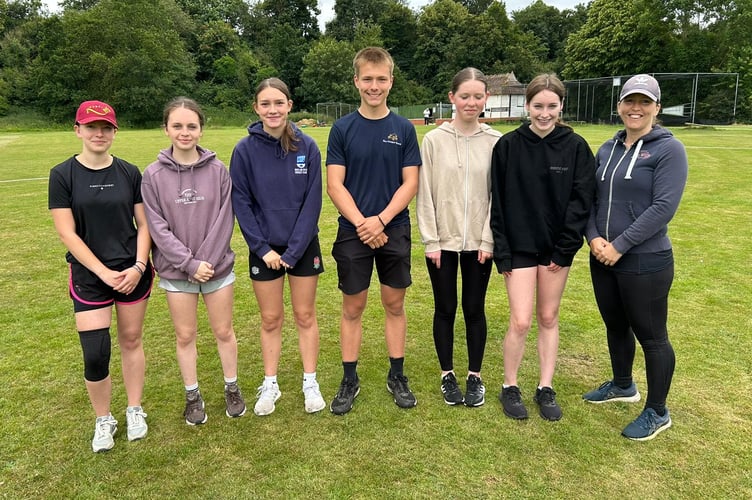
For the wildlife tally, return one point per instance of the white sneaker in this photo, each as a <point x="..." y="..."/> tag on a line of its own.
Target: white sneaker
<point x="136" y="420"/>
<point x="267" y="395"/>
<point x="313" y="400"/>
<point x="104" y="433"/>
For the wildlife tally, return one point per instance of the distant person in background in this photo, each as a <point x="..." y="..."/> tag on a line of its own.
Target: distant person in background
<point x="276" y="172"/>
<point x="453" y="210"/>
<point x="542" y="192"/>
<point x="640" y="178"/>
<point x="187" y="197"/>
<point x="96" y="206"/>
<point x="372" y="175"/>
<point x="426" y="116"/>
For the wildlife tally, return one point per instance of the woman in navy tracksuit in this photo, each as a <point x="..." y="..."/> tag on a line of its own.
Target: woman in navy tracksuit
<point x="640" y="178"/>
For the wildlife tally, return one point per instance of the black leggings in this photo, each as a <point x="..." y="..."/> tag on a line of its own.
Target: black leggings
<point x="475" y="278"/>
<point x="636" y="305"/>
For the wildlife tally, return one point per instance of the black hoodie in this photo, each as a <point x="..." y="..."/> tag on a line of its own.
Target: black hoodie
<point x="541" y="193"/>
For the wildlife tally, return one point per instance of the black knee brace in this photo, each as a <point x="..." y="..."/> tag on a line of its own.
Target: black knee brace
<point x="96" y="345"/>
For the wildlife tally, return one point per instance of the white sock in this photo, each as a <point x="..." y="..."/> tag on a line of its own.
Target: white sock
<point x="192" y="387"/>
<point x="270" y="380"/>
<point x="231" y="380"/>
<point x="309" y="379"/>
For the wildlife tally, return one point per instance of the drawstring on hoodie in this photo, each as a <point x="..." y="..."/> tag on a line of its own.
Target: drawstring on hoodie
<point x="628" y="175"/>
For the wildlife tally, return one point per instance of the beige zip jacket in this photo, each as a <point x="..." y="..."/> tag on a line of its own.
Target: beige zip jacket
<point x="453" y="205"/>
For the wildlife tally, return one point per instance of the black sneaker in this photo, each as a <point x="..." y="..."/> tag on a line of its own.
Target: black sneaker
<point x="345" y="398"/>
<point x="450" y="390"/>
<point x="511" y="400"/>
<point x="397" y="386"/>
<point x="546" y="399"/>
<point x="475" y="393"/>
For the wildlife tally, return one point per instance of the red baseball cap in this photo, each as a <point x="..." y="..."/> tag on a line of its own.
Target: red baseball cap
<point x="92" y="111"/>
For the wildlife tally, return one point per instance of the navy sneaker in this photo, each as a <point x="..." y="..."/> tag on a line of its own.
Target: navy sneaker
<point x="608" y="391"/>
<point x="475" y="393"/>
<point x="450" y="390"/>
<point x="648" y="425"/>
<point x="547" y="405"/>
<point x="345" y="398"/>
<point x="511" y="401"/>
<point x="397" y="386"/>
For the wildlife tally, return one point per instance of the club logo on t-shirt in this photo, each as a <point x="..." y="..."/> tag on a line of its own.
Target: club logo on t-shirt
<point x="101" y="187"/>
<point x="300" y="165"/>
<point x="393" y="138"/>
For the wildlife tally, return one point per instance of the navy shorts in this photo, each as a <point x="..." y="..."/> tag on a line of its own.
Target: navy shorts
<point x="310" y="264"/>
<point x="521" y="260"/>
<point x="355" y="260"/>
<point x="89" y="292"/>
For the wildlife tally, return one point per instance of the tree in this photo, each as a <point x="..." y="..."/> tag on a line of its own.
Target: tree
<point x="398" y="26"/>
<point x="327" y="74"/>
<point x="129" y="54"/>
<point x="348" y="13"/>
<point x="620" y="37"/>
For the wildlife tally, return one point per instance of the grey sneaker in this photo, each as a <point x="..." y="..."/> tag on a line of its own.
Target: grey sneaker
<point x="136" y="420"/>
<point x="403" y="396"/>
<point x="194" y="408"/>
<point x="475" y="392"/>
<point x="345" y="398"/>
<point x="511" y="401"/>
<point x="608" y="391"/>
<point x="104" y="433"/>
<point x="267" y="395"/>
<point x="234" y="402"/>
<point x="547" y="406"/>
<point x="450" y="390"/>
<point x="648" y="425"/>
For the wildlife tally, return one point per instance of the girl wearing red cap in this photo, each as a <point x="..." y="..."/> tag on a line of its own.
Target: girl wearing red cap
<point x="96" y="207"/>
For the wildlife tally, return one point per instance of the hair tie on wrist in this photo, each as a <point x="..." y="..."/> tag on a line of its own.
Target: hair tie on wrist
<point x="382" y="222"/>
<point x="134" y="266"/>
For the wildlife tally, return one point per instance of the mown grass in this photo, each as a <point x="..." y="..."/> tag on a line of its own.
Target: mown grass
<point x="378" y="450"/>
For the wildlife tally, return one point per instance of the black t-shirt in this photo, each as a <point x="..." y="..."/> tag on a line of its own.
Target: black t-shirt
<point x="102" y="202"/>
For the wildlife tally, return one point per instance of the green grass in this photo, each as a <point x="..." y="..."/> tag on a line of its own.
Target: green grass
<point x="379" y="450"/>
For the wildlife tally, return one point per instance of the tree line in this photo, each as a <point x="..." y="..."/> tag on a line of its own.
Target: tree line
<point x="139" y="54"/>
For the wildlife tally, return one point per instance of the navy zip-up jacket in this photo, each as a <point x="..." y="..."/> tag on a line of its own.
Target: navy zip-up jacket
<point x="638" y="191"/>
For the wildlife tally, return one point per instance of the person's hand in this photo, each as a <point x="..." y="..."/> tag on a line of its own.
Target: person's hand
<point x="596" y="246"/>
<point x="284" y="264"/>
<point x="204" y="273"/>
<point x="272" y="260"/>
<point x="609" y="255"/>
<point x="553" y="267"/>
<point x="112" y="278"/>
<point x="484" y="256"/>
<point x="379" y="241"/>
<point x="435" y="258"/>
<point x="369" y="229"/>
<point x="129" y="280"/>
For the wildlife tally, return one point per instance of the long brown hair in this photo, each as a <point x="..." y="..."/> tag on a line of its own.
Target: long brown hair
<point x="183" y="102"/>
<point x="288" y="138"/>
<point x="466" y="75"/>
<point x="547" y="81"/>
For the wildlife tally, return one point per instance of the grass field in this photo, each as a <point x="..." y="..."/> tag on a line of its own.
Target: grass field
<point x="378" y="450"/>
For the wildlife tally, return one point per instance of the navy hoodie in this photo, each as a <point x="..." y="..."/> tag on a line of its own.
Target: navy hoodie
<point x="541" y="194"/>
<point x="638" y="191"/>
<point x="276" y="195"/>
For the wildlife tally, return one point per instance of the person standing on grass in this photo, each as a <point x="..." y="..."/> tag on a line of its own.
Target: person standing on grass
<point x="372" y="175"/>
<point x="94" y="199"/>
<point x="542" y="192"/>
<point x="187" y="197"/>
<point x="640" y="178"/>
<point x="276" y="172"/>
<point x="453" y="209"/>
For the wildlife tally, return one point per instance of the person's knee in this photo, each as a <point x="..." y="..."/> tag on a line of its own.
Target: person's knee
<point x="305" y="318"/>
<point x="96" y="346"/>
<point x="271" y="321"/>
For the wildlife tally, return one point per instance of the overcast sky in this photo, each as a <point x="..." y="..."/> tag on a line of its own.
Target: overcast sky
<point x="327" y="6"/>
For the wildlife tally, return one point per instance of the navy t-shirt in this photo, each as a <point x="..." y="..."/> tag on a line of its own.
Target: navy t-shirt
<point x="102" y="202"/>
<point x="373" y="152"/>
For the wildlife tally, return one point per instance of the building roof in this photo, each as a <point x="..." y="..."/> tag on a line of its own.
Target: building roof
<point x="505" y="84"/>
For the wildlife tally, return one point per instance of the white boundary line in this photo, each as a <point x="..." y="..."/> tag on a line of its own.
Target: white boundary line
<point x="24" y="180"/>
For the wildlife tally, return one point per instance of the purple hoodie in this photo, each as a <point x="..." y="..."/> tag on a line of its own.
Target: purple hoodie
<point x="189" y="212"/>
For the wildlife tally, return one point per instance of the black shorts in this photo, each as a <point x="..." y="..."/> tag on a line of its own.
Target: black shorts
<point x="521" y="260"/>
<point x="309" y="264"/>
<point x="89" y="292"/>
<point x="355" y="260"/>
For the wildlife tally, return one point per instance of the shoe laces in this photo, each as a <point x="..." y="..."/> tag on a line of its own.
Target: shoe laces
<point x="547" y="396"/>
<point x="267" y="392"/>
<point x="449" y="381"/>
<point x="104" y="426"/>
<point x="474" y="383"/>
<point x="232" y="393"/>
<point x="312" y="390"/>
<point x="192" y="403"/>
<point x="134" y="414"/>
<point x="512" y="394"/>
<point x="347" y="387"/>
<point x="400" y="382"/>
<point x="648" y="419"/>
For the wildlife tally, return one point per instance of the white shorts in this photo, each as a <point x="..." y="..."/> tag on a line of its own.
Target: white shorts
<point x="186" y="286"/>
